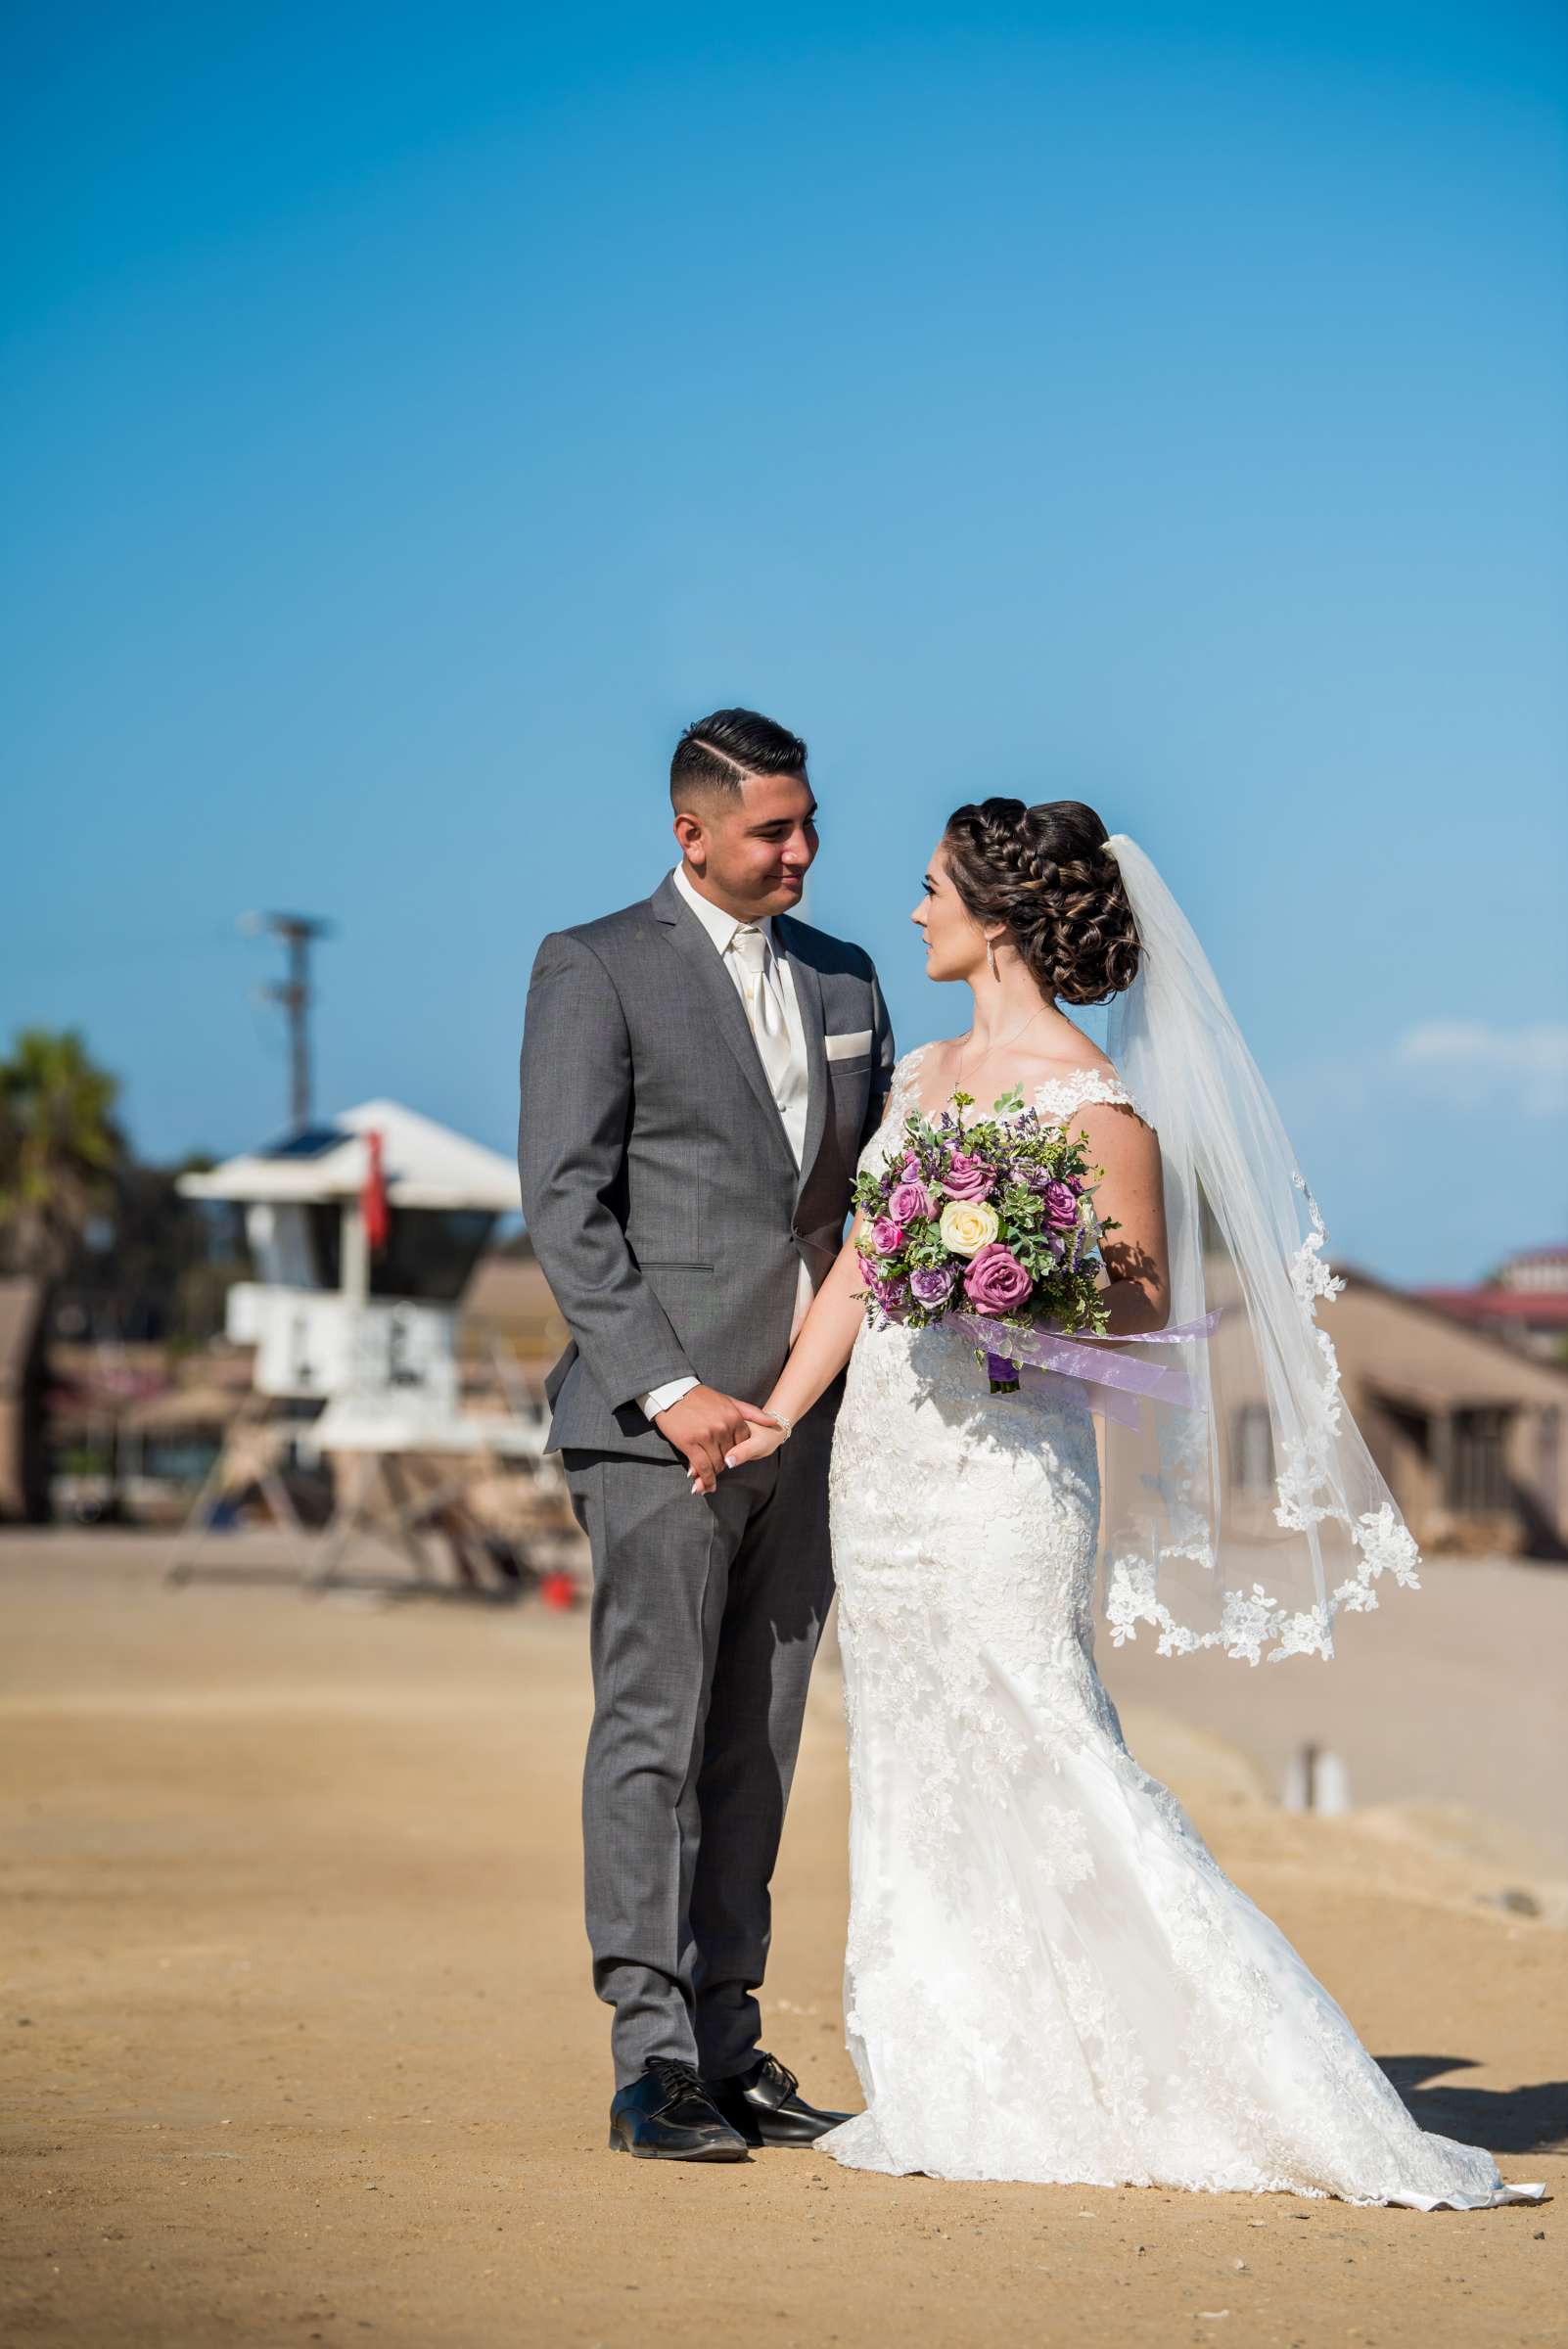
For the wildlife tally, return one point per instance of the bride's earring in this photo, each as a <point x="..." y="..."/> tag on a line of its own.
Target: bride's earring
<point x="990" y="957"/>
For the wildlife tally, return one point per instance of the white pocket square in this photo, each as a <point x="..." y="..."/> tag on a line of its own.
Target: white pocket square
<point x="847" y="1047"/>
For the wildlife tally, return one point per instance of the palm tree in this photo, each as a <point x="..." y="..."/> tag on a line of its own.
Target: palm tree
<point x="60" y="1149"/>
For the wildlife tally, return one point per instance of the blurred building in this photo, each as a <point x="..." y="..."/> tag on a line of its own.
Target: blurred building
<point x="133" y="1429"/>
<point x="1525" y="1303"/>
<point x="1467" y="1427"/>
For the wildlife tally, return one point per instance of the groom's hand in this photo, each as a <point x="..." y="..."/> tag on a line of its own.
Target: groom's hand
<point x="703" y="1425"/>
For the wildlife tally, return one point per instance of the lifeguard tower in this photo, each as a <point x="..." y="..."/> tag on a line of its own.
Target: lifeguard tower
<point x="364" y="1232"/>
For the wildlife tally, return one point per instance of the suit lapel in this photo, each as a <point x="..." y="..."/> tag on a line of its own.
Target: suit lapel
<point x="692" y="943"/>
<point x="809" y="998"/>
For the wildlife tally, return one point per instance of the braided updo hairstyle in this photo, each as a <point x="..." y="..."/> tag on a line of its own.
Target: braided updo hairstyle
<point x="1044" y="872"/>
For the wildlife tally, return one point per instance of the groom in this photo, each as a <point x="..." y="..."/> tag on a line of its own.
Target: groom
<point x="700" y="1071"/>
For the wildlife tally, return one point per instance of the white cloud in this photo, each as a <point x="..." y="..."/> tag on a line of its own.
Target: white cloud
<point x="1528" y="1065"/>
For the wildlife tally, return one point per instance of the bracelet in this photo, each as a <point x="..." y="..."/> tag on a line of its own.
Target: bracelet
<point x="788" y="1425"/>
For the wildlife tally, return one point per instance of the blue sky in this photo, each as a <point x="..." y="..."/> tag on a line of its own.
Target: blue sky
<point x="411" y="417"/>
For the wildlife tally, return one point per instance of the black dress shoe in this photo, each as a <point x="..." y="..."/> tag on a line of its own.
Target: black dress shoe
<point x="667" y="2115"/>
<point x="764" y="2106"/>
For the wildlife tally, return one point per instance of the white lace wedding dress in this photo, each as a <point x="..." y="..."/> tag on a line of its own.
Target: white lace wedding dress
<point x="1047" y="1976"/>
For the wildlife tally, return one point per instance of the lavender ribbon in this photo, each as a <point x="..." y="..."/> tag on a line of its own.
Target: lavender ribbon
<point x="1111" y="1386"/>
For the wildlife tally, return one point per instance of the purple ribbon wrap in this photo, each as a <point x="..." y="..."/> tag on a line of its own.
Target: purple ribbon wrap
<point x="1111" y="1386"/>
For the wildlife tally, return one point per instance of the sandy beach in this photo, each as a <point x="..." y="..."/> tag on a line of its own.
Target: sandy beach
<point x="1449" y="1700"/>
<point x="299" y="2045"/>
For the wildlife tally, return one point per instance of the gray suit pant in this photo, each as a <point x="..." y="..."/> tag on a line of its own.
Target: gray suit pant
<point x="707" y="1613"/>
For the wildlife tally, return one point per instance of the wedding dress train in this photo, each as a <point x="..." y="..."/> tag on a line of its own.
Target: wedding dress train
<point x="1048" y="1977"/>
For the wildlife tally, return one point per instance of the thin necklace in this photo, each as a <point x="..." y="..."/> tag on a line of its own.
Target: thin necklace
<point x="1001" y="1047"/>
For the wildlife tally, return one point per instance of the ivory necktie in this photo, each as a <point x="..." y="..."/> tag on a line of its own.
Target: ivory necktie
<point x="765" y="1006"/>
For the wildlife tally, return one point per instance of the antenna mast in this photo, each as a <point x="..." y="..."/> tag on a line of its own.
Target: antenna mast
<point x="298" y="931"/>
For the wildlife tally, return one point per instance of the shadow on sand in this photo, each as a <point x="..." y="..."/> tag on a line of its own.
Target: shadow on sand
<point x="1504" y="2120"/>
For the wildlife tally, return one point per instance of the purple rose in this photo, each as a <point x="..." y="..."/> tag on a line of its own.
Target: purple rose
<point x="967" y="1176"/>
<point x="995" y="1281"/>
<point x="908" y="1201"/>
<point x="932" y="1285"/>
<point x="1061" y="1203"/>
<point x="892" y="1295"/>
<point x="887" y="1236"/>
<point x="868" y="1270"/>
<point x="910" y="1168"/>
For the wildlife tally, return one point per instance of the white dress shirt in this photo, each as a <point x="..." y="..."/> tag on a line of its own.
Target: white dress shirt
<point x="791" y="1094"/>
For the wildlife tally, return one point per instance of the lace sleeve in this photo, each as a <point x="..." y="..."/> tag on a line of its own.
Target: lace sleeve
<point x="903" y="1085"/>
<point x="1059" y="1097"/>
<point x="882" y="1143"/>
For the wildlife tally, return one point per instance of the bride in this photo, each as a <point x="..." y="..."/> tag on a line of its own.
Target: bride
<point x="1048" y="1977"/>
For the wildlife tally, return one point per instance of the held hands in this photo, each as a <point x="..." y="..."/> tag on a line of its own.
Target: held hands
<point x="705" y="1426"/>
<point x="758" y="1442"/>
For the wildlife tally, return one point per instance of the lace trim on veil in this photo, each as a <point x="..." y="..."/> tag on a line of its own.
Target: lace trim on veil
<point x="1304" y="1484"/>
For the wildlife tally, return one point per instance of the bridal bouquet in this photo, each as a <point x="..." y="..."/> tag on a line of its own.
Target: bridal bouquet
<point x="991" y="1225"/>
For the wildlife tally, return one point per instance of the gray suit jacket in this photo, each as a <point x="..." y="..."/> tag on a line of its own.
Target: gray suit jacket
<point x="660" y="1192"/>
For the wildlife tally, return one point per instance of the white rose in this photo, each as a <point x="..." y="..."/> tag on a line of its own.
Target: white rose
<point x="967" y="1225"/>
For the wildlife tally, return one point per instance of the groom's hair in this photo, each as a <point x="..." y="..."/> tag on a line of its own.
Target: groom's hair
<point x="717" y="754"/>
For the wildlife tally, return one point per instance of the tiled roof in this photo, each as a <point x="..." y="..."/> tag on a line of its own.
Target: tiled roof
<point x="1548" y="1305"/>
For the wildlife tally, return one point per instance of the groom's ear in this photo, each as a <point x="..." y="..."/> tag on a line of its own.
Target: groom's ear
<point x="691" y="833"/>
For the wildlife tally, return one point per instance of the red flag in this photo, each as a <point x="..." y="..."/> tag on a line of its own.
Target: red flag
<point x="373" y="1197"/>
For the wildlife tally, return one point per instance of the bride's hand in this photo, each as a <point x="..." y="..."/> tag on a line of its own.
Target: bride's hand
<point x="757" y="1444"/>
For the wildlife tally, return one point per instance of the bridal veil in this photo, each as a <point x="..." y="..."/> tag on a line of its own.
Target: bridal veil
<point x="1251" y="1521"/>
